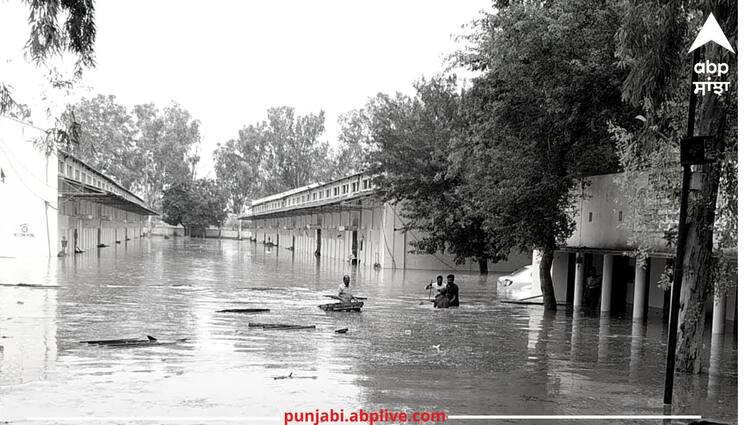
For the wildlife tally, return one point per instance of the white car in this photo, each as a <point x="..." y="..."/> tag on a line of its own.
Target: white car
<point x="519" y="285"/>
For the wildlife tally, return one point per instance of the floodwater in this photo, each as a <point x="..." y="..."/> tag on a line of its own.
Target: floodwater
<point x="484" y="358"/>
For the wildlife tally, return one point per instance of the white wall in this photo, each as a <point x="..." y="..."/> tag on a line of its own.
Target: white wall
<point x="28" y="194"/>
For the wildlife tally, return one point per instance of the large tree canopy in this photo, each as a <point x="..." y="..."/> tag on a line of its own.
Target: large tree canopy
<point x="146" y="149"/>
<point x="413" y="140"/>
<point x="195" y="204"/>
<point x="653" y="43"/>
<point x="541" y="107"/>
<point x="238" y="166"/>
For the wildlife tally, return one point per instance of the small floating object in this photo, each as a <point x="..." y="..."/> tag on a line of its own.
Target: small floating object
<point x="407" y="332"/>
<point x="102" y="245"/>
<point x="28" y="285"/>
<point x="342" y="331"/>
<point x="243" y="310"/>
<point x="133" y="342"/>
<point x="118" y="242"/>
<point x="291" y="376"/>
<point x="357" y="306"/>
<point x="280" y="326"/>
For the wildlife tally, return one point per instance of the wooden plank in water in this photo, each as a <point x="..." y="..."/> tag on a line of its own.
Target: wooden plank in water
<point x="280" y="326"/>
<point x="29" y="285"/>
<point x="243" y="310"/>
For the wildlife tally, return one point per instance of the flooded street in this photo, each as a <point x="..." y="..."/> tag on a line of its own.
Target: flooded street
<point x="399" y="353"/>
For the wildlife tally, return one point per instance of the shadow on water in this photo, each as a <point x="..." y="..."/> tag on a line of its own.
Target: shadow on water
<point x="484" y="357"/>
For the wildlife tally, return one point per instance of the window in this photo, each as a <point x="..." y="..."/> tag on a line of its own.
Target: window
<point x="335" y="191"/>
<point x="327" y="193"/>
<point x="364" y="184"/>
<point x="61" y="167"/>
<point x="354" y="186"/>
<point x="77" y="176"/>
<point x="70" y="172"/>
<point x="345" y="189"/>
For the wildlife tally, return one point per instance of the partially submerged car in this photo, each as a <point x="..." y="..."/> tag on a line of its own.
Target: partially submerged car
<point x="519" y="286"/>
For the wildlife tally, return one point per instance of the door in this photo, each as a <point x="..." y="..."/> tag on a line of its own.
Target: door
<point x="354" y="247"/>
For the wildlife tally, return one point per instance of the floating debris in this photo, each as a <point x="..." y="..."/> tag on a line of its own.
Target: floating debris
<point x="342" y="331"/>
<point x="291" y="376"/>
<point x="28" y="285"/>
<point x="357" y="306"/>
<point x="243" y="310"/>
<point x="280" y="326"/>
<point x="133" y="342"/>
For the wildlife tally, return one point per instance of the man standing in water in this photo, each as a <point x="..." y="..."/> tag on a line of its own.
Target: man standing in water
<point x="437" y="285"/>
<point x="452" y="291"/>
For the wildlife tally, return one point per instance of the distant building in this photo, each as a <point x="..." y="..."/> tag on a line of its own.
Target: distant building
<point x="344" y="220"/>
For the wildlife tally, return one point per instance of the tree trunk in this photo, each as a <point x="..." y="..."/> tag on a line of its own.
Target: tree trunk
<point x="483" y="265"/>
<point x="546" y="282"/>
<point x="698" y="255"/>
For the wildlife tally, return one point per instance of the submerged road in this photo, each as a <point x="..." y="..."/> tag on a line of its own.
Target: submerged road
<point x="484" y="358"/>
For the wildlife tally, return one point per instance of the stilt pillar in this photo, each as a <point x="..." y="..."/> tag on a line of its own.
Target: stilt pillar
<point x="605" y="288"/>
<point x="640" y="289"/>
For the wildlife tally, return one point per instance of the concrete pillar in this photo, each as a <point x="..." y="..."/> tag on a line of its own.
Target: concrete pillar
<point x="719" y="314"/>
<point x="579" y="280"/>
<point x="635" y="352"/>
<point x="714" y="368"/>
<point x="640" y="289"/>
<point x="604" y="339"/>
<point x="605" y="288"/>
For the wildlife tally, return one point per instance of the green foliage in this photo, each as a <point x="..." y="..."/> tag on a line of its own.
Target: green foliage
<point x="549" y="86"/>
<point x="275" y="155"/>
<point x="412" y="141"/>
<point x="146" y="149"/>
<point x="355" y="143"/>
<point x="199" y="204"/>
<point x="659" y="67"/>
<point x="238" y="166"/>
<point x="166" y="142"/>
<point x="49" y="37"/>
<point x="107" y="138"/>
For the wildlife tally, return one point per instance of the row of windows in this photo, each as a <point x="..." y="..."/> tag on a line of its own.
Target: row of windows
<point x="81" y="175"/>
<point x="325" y="193"/>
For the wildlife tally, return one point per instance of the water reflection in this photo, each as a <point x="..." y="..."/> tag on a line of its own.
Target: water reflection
<point x="482" y="358"/>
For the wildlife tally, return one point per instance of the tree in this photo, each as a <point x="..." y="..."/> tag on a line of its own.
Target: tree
<point x="107" y="138"/>
<point x="412" y="139"/>
<point x="653" y="43"/>
<point x="195" y="204"/>
<point x="355" y="143"/>
<point x="238" y="165"/>
<point x="165" y="143"/>
<point x="549" y="85"/>
<point x="296" y="156"/>
<point x="49" y="37"/>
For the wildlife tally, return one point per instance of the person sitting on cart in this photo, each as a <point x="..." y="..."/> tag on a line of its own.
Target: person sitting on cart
<point x="344" y="291"/>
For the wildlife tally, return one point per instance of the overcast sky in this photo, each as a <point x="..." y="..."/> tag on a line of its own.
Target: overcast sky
<point x="228" y="61"/>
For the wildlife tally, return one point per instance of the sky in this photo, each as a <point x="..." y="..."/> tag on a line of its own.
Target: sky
<point x="227" y="62"/>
